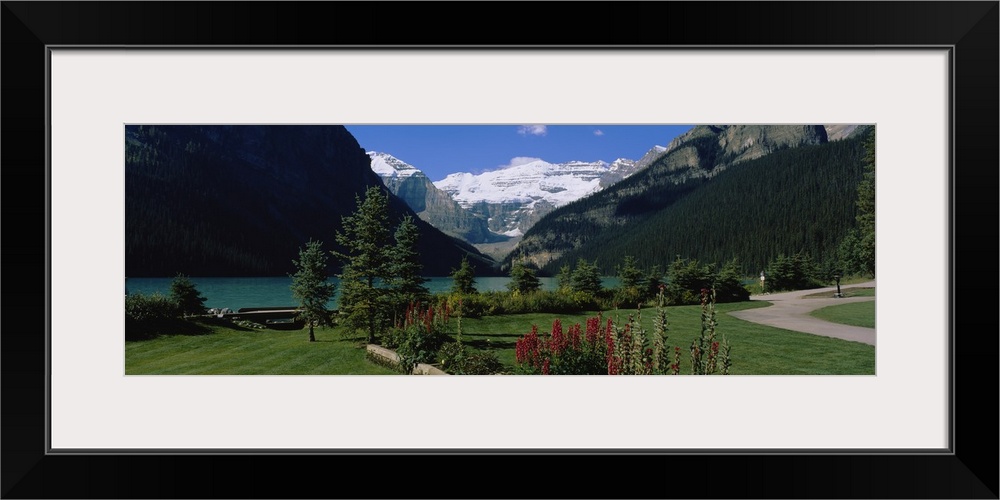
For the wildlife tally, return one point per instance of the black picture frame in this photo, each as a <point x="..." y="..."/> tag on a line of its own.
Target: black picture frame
<point x="970" y="28"/>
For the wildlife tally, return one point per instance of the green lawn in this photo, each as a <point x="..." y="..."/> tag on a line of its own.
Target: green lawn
<point x="854" y="314"/>
<point x="757" y="349"/>
<point x="239" y="351"/>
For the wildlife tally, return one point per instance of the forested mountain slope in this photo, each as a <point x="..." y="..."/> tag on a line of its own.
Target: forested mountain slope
<point x="240" y="200"/>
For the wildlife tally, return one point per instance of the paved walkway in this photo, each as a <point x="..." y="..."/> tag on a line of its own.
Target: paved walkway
<point x="791" y="312"/>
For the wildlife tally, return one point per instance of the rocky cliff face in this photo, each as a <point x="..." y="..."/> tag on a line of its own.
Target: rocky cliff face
<point x="430" y="203"/>
<point x="748" y="142"/>
<point x="841" y="131"/>
<point x="621" y="168"/>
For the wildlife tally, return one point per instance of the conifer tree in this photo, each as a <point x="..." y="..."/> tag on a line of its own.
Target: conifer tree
<point x="310" y="286"/>
<point x="629" y="273"/>
<point x="367" y="261"/>
<point x="464" y="278"/>
<point x="186" y="296"/>
<point x="523" y="279"/>
<point x="406" y="282"/>
<point x="565" y="278"/>
<point x="586" y="277"/>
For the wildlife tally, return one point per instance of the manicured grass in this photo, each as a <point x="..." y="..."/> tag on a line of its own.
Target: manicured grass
<point x="854" y="314"/>
<point x="846" y="292"/>
<point x="237" y="351"/>
<point x="757" y="349"/>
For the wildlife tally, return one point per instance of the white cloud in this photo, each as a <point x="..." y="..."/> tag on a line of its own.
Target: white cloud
<point x="532" y="130"/>
<point x="598" y="132"/>
<point x="519" y="160"/>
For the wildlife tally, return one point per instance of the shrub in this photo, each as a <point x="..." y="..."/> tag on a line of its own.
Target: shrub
<point x="797" y="272"/>
<point x="419" y="337"/>
<point x="148" y="315"/>
<point x="686" y="279"/>
<point x="628" y="297"/>
<point x="497" y="302"/>
<point x="729" y="284"/>
<point x="458" y="359"/>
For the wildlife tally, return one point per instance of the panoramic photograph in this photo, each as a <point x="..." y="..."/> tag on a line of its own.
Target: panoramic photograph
<point x="544" y="249"/>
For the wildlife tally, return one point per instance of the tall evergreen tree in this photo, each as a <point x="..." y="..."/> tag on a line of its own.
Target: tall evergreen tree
<point x="629" y="273"/>
<point x="310" y="286"/>
<point x="407" y="283"/>
<point x="565" y="278"/>
<point x="464" y="278"/>
<point x="653" y="281"/>
<point x="586" y="277"/>
<point x="367" y="261"/>
<point x="523" y="279"/>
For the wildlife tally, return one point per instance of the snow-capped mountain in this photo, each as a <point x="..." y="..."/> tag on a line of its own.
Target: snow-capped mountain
<point x="430" y="203"/>
<point x="388" y="166"/>
<point x="515" y="197"/>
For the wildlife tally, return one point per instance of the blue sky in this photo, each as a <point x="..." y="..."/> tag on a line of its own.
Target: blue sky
<point x="439" y="150"/>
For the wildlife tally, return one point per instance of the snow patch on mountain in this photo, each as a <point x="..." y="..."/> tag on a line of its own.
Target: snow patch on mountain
<point x="386" y="165"/>
<point x="527" y="182"/>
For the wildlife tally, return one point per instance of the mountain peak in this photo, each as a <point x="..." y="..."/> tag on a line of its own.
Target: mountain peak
<point x="430" y="203"/>
<point x="386" y="165"/>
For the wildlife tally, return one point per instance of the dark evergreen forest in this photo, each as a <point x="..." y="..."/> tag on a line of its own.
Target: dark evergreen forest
<point x="241" y="200"/>
<point x="793" y="200"/>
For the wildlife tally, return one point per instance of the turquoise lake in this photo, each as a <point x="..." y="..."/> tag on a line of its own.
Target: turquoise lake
<point x="235" y="293"/>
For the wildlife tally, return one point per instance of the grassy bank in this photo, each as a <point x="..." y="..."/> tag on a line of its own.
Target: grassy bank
<point x="854" y="314"/>
<point x="757" y="349"/>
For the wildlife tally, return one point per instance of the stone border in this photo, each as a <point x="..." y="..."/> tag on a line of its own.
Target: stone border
<point x="392" y="358"/>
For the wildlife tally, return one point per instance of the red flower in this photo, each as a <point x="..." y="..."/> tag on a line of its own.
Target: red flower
<point x="574" y="337"/>
<point x="593" y="326"/>
<point x="557" y="341"/>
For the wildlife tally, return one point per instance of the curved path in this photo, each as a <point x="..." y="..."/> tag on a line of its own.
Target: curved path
<point x="791" y="312"/>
